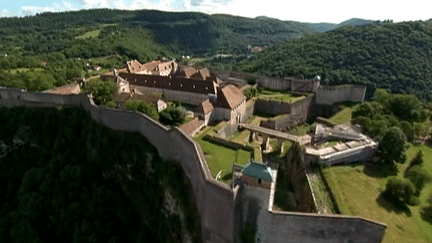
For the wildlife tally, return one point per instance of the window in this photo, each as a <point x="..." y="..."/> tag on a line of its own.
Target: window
<point x="181" y="85"/>
<point x="154" y="82"/>
<point x="206" y="88"/>
<point x="145" y="81"/>
<point x="169" y="84"/>
<point x="259" y="181"/>
<point x="194" y="86"/>
<point x="135" y="80"/>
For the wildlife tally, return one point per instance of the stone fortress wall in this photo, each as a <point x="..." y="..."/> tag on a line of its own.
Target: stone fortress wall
<point x="215" y="200"/>
<point x="329" y="95"/>
<point x="293" y="84"/>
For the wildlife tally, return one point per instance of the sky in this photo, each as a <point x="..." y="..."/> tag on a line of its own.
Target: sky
<point x="312" y="11"/>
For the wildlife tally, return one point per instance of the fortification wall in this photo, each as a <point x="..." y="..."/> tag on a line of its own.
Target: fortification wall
<point x="317" y="228"/>
<point x="329" y="95"/>
<point x="249" y="111"/>
<point x="272" y="107"/>
<point x="215" y="200"/>
<point x="300" y="112"/>
<point x="273" y="83"/>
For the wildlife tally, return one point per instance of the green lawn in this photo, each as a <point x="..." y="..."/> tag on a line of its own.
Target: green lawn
<point x="357" y="190"/>
<point x="279" y="95"/>
<point x="300" y="130"/>
<point x="89" y="34"/>
<point x="221" y="158"/>
<point x="343" y="116"/>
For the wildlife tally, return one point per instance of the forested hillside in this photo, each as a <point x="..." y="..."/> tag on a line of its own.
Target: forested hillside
<point x="51" y="49"/>
<point x="388" y="55"/>
<point x="59" y="184"/>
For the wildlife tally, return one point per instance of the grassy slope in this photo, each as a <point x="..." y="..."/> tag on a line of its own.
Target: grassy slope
<point x="357" y="190"/>
<point x="343" y="116"/>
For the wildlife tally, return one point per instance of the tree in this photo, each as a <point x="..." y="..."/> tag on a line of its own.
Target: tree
<point x="418" y="159"/>
<point x="392" y="146"/>
<point x="367" y="109"/>
<point x="406" y="107"/>
<point x="408" y="130"/>
<point x="102" y="91"/>
<point x="144" y="107"/>
<point x="400" y="190"/>
<point x="419" y="177"/>
<point x="426" y="211"/>
<point x="250" y="92"/>
<point x="173" y="115"/>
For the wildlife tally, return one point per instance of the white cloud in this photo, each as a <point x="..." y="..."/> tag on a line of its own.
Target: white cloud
<point x="5" y="13"/>
<point x="55" y="7"/>
<point x="333" y="11"/>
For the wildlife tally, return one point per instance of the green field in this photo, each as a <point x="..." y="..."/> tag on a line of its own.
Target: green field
<point x="357" y="190"/>
<point x="89" y="34"/>
<point x="221" y="158"/>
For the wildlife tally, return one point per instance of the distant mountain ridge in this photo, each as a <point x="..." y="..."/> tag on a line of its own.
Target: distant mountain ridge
<point x="324" y="27"/>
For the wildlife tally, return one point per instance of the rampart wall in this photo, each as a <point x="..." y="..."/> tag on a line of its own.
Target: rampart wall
<point x="318" y="228"/>
<point x="293" y="84"/>
<point x="329" y="95"/>
<point x="272" y="107"/>
<point x="299" y="112"/>
<point x="215" y="200"/>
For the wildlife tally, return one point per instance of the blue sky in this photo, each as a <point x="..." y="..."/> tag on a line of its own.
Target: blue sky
<point x="332" y="11"/>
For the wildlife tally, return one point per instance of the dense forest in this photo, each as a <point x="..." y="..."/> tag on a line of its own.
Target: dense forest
<point x="61" y="185"/>
<point x="51" y="49"/>
<point x="382" y="54"/>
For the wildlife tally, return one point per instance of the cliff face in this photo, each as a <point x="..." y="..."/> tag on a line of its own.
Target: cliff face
<point x="70" y="179"/>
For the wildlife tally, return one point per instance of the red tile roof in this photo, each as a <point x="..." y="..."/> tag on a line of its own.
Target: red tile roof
<point x="123" y="97"/>
<point x="205" y="107"/>
<point x="229" y="97"/>
<point x="192" y="126"/>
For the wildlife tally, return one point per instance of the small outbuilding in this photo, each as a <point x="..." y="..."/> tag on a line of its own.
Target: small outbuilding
<point x="257" y="174"/>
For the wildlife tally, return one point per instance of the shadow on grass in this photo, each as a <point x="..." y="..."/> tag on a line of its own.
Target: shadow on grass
<point x="389" y="206"/>
<point x="227" y="177"/>
<point x="379" y="170"/>
<point x="426" y="214"/>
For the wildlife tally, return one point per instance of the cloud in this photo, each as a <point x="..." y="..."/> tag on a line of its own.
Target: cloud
<point x="55" y="7"/>
<point x="5" y="13"/>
